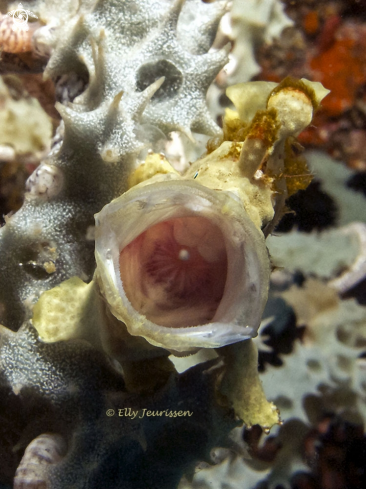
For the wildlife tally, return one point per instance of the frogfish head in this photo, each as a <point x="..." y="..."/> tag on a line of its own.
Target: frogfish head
<point x="182" y="265"/>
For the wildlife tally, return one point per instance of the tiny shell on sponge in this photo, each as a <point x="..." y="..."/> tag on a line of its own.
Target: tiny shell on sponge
<point x="45" y="450"/>
<point x="16" y="38"/>
<point x="182" y="265"/>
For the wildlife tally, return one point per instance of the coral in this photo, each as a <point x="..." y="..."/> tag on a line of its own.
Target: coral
<point x="338" y="328"/>
<point x="340" y="256"/>
<point x="25" y="137"/>
<point x="345" y="72"/>
<point x="333" y="175"/>
<point x="336" y="250"/>
<point x="253" y="23"/>
<point x="326" y="44"/>
<point x="23" y="124"/>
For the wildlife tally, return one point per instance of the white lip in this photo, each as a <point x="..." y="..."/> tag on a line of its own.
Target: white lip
<point x="239" y="312"/>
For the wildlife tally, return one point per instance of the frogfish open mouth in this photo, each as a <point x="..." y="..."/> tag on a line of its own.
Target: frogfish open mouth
<point x="182" y="265"/>
<point x="175" y="272"/>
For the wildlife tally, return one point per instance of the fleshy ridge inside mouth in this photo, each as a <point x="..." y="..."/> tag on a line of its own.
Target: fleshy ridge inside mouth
<point x="175" y="272"/>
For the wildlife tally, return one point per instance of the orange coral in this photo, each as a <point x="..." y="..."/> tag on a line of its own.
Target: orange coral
<point x="342" y="68"/>
<point x="311" y="22"/>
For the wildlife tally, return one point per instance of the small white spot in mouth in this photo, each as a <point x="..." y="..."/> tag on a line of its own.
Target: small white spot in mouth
<point x="170" y="281"/>
<point x="184" y="255"/>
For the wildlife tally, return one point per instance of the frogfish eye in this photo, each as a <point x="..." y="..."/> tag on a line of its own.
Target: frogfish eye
<point x="182" y="265"/>
<point x="174" y="273"/>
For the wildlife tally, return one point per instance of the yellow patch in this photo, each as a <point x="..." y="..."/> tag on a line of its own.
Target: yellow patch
<point x="241" y="386"/>
<point x="155" y="163"/>
<point x="67" y="311"/>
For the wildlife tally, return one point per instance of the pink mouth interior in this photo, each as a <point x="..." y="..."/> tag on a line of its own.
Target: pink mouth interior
<point x="175" y="272"/>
